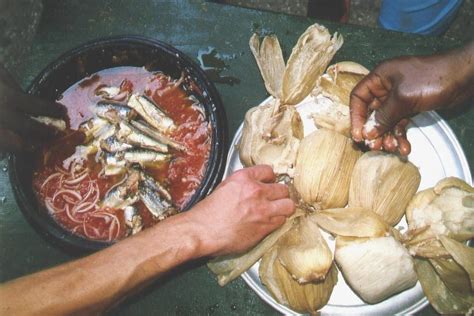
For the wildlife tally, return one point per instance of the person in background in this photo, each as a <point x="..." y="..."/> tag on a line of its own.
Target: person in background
<point x="404" y="86"/>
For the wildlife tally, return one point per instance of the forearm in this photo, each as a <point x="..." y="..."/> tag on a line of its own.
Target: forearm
<point x="461" y="72"/>
<point x="96" y="282"/>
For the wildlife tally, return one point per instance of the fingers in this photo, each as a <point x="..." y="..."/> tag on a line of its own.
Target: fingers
<point x="366" y="95"/>
<point x="404" y="146"/>
<point x="276" y="191"/>
<point x="9" y="141"/>
<point x="25" y="126"/>
<point x="263" y="173"/>
<point x="358" y="114"/>
<point x="282" y="207"/>
<point x="277" y="221"/>
<point x="33" y="105"/>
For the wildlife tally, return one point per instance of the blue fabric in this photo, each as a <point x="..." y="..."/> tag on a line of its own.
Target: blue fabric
<point x="428" y="17"/>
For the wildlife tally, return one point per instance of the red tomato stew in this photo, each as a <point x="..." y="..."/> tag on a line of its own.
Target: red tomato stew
<point x="139" y="156"/>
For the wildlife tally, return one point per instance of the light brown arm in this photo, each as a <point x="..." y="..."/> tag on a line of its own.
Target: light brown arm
<point x="96" y="282"/>
<point x="242" y="210"/>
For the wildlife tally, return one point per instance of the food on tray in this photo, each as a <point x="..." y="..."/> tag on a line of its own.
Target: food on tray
<point x="272" y="133"/>
<point x="304" y="253"/>
<point x="323" y="168"/>
<point x="440" y="221"/>
<point x="383" y="183"/>
<point x="332" y="94"/>
<point x="375" y="267"/>
<point x="307" y="297"/>
<point x="346" y="195"/>
<point x="143" y="154"/>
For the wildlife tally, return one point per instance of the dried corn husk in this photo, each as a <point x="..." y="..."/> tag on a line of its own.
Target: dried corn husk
<point x="383" y="183"/>
<point x="304" y="252"/>
<point x="339" y="80"/>
<point x="375" y="268"/>
<point x="439" y="295"/>
<point x="270" y="61"/>
<point x="308" y="60"/>
<point x="302" y="298"/>
<point x="332" y="95"/>
<point x="324" y="165"/>
<point x="444" y="209"/>
<point x="452" y="274"/>
<point x="228" y="268"/>
<point x="462" y="254"/>
<point x="280" y="152"/>
<point x="352" y="222"/>
<point x="272" y="133"/>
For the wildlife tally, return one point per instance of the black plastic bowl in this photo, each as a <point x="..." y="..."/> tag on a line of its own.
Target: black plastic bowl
<point x="86" y="60"/>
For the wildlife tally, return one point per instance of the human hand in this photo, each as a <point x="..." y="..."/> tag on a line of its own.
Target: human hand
<point x="242" y="210"/>
<point x="402" y="87"/>
<point x="18" y="131"/>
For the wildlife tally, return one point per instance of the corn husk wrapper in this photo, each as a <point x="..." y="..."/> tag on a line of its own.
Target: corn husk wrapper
<point x="462" y="254"/>
<point x="228" y="268"/>
<point x="280" y="153"/>
<point x="332" y="96"/>
<point x="303" y="298"/>
<point x="323" y="168"/>
<point x="452" y="274"/>
<point x="339" y="80"/>
<point x="439" y="295"/>
<point x="269" y="58"/>
<point x="304" y="252"/>
<point x="445" y="209"/>
<point x="352" y="222"/>
<point x="383" y="183"/>
<point x="375" y="268"/>
<point x="308" y="60"/>
<point x="271" y="134"/>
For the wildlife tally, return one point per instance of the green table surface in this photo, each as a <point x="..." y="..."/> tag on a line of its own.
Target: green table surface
<point x="190" y="26"/>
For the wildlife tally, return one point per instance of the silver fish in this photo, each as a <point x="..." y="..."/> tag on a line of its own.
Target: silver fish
<point x="113" y="145"/>
<point x="129" y="134"/>
<point x="151" y="113"/>
<point x="158" y="136"/>
<point x="156" y="186"/>
<point x="93" y="127"/>
<point x="112" y="164"/>
<point x="133" y="220"/>
<point x="97" y="131"/>
<point x="124" y="193"/>
<point x="160" y="208"/>
<point x="114" y="112"/>
<point x="144" y="157"/>
<point x="107" y="92"/>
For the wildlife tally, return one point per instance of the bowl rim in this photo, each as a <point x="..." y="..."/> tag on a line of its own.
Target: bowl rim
<point x="216" y="163"/>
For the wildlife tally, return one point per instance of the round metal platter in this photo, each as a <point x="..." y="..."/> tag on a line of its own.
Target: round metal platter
<point x="436" y="152"/>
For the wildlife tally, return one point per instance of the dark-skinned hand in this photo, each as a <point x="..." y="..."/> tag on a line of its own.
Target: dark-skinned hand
<point x="18" y="131"/>
<point x="402" y="87"/>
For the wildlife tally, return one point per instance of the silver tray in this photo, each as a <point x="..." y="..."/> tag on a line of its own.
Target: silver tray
<point x="436" y="152"/>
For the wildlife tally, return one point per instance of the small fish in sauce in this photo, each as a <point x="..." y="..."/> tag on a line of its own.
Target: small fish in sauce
<point x="114" y="112"/>
<point x="113" y="145"/>
<point x="133" y="220"/>
<point x="151" y="113"/>
<point x="158" y="136"/>
<point x="123" y="193"/>
<point x="129" y="134"/>
<point x="158" y="206"/>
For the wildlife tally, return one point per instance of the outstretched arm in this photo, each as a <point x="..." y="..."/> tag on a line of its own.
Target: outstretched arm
<point x="242" y="210"/>
<point x="402" y="87"/>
